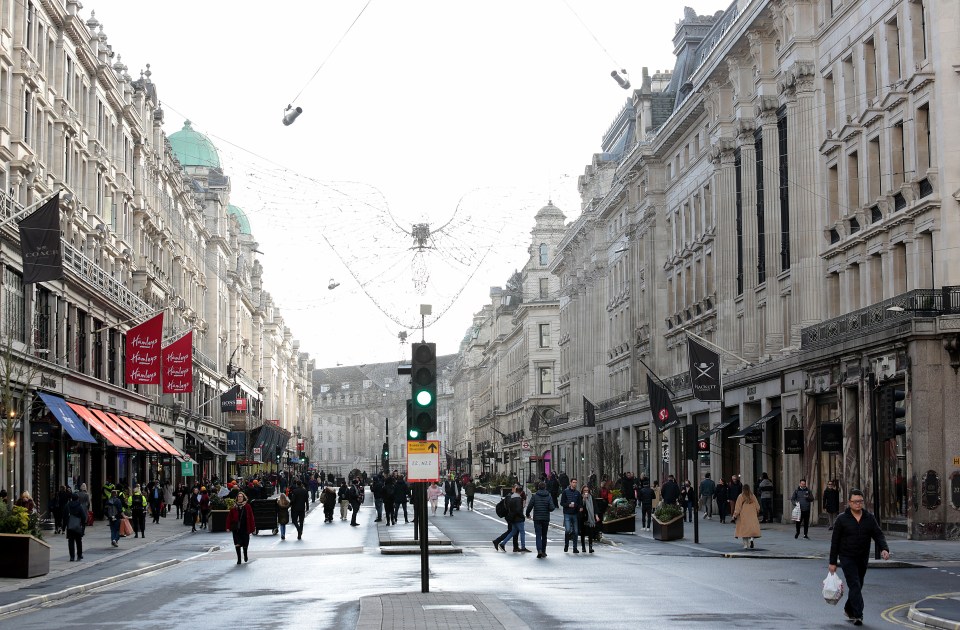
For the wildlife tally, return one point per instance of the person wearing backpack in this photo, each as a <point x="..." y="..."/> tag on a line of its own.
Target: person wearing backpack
<point x="138" y="510"/>
<point x="503" y="511"/>
<point x="113" y="510"/>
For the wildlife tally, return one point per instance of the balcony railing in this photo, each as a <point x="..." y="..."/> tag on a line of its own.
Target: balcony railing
<point x="885" y="314"/>
<point x="610" y="403"/>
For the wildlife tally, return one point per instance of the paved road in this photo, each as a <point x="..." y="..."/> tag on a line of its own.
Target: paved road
<point x="631" y="582"/>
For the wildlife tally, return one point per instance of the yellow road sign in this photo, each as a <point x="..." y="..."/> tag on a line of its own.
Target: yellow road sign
<point x="423" y="446"/>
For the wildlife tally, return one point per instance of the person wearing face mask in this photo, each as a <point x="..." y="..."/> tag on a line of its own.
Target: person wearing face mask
<point x="240" y="521"/>
<point x="686" y="500"/>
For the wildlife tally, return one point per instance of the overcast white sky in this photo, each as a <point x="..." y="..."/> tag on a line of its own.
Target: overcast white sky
<point x="500" y="104"/>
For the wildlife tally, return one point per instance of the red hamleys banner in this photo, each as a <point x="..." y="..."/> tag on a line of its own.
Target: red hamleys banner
<point x="143" y="352"/>
<point x="178" y="366"/>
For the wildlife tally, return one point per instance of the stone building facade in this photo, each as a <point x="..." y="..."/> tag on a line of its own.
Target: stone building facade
<point x="788" y="193"/>
<point x="147" y="228"/>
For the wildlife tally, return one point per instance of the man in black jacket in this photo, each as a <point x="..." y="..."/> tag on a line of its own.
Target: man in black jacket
<point x="670" y="491"/>
<point x="850" y="545"/>
<point x="572" y="501"/>
<point x="541" y="504"/>
<point x="299" y="504"/>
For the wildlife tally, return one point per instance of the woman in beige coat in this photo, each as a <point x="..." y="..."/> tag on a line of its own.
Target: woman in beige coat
<point x="747" y="515"/>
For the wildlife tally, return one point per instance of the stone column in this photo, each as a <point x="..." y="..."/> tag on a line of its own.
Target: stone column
<point x="748" y="214"/>
<point x="805" y="219"/>
<point x="773" y="342"/>
<point x="724" y="196"/>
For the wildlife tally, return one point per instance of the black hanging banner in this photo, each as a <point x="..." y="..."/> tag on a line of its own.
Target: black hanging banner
<point x="793" y="441"/>
<point x="661" y="407"/>
<point x="831" y="437"/>
<point x="40" y="243"/>
<point x="229" y="400"/>
<point x="589" y="413"/>
<point x="704" y="371"/>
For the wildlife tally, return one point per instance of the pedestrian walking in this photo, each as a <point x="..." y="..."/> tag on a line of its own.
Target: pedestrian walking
<point x="137" y="503"/>
<point x="433" y="495"/>
<point x="328" y="498"/>
<point x="299" y="504"/>
<point x="178" y="496"/>
<point x="314" y="488"/>
<point x="167" y="488"/>
<point x="191" y="508"/>
<point x="344" y="501"/>
<point x="589" y="520"/>
<point x="85" y="504"/>
<point x="76" y="520"/>
<point x="283" y="514"/>
<point x="518" y="519"/>
<point x="850" y="548"/>
<point x="540" y="505"/>
<point x="831" y="502"/>
<point x="26" y="502"/>
<point x="670" y="493"/>
<point x="687" y="500"/>
<point x="469" y="489"/>
<point x="355" y="497"/>
<point x="734" y="488"/>
<point x="802" y="497"/>
<point x="766" y="498"/>
<point x="572" y="502"/>
<point x="746" y="515"/>
<point x="113" y="511"/>
<point x="376" y="487"/>
<point x="707" y="488"/>
<point x="388" y="499"/>
<point x="451" y="493"/>
<point x="628" y="488"/>
<point x="155" y="494"/>
<point x="645" y="497"/>
<point x="721" y="494"/>
<point x="240" y="521"/>
<point x="554" y="487"/>
<point x="62" y="499"/>
<point x="204" y="505"/>
<point x="400" y="493"/>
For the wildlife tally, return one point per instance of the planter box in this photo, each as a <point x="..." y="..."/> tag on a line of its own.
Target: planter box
<point x="671" y="530"/>
<point x="218" y="520"/>
<point x="625" y="525"/>
<point x="23" y="556"/>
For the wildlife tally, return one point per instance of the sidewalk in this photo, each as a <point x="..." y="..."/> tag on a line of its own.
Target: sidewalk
<point x="464" y="611"/>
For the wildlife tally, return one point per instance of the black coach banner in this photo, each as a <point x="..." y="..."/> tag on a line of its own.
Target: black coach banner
<point x="40" y="243"/>
<point x="704" y="371"/>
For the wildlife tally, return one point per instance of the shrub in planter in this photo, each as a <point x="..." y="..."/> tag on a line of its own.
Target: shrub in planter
<point x="24" y="554"/>
<point x="668" y="522"/>
<point x="620" y="518"/>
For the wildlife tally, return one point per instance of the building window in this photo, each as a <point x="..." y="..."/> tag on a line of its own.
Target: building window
<point x="339" y="453"/>
<point x="13" y="305"/>
<point x="543" y="254"/>
<point x="738" y="180"/>
<point x="544" y="335"/>
<point x="545" y="380"/>
<point x="761" y="230"/>
<point x="329" y="453"/>
<point x="784" y="188"/>
<point x="544" y="287"/>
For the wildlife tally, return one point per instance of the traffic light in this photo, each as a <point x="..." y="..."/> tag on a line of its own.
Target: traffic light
<point x="422" y="418"/>
<point x="386" y="450"/>
<point x="888" y="413"/>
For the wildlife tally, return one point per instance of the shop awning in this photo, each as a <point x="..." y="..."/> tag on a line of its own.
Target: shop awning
<point x="207" y="444"/>
<point x="104" y="429"/>
<point x="67" y="418"/>
<point x="756" y="426"/>
<point x="120" y="428"/>
<point x="719" y="428"/>
<point x="162" y="444"/>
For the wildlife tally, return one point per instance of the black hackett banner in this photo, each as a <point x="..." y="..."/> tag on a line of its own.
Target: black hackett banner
<point x="589" y="413"/>
<point x="228" y="400"/>
<point x="40" y="243"/>
<point x="704" y="371"/>
<point x="661" y="407"/>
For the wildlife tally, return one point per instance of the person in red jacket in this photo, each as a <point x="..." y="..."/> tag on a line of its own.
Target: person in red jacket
<point x="240" y="521"/>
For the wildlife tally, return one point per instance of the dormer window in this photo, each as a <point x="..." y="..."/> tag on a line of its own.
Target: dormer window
<point x="543" y="254"/>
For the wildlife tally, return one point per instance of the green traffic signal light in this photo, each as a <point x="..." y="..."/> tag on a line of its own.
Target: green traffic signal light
<point x="413" y="434"/>
<point x="424" y="398"/>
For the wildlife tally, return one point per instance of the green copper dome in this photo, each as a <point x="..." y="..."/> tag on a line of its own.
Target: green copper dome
<point x="193" y="148"/>
<point x="241" y="218"/>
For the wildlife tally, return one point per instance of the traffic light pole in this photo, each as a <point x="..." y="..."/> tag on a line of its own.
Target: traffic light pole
<point x="421" y="499"/>
<point x="875" y="447"/>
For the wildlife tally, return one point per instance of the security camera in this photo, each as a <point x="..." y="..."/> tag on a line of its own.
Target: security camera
<point x="622" y="81"/>
<point x="290" y="114"/>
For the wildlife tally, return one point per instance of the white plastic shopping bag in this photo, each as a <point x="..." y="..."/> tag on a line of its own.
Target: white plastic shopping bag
<point x="795" y="515"/>
<point x="832" y="589"/>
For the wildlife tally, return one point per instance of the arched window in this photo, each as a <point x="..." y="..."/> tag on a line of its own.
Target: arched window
<point x="543" y="254"/>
